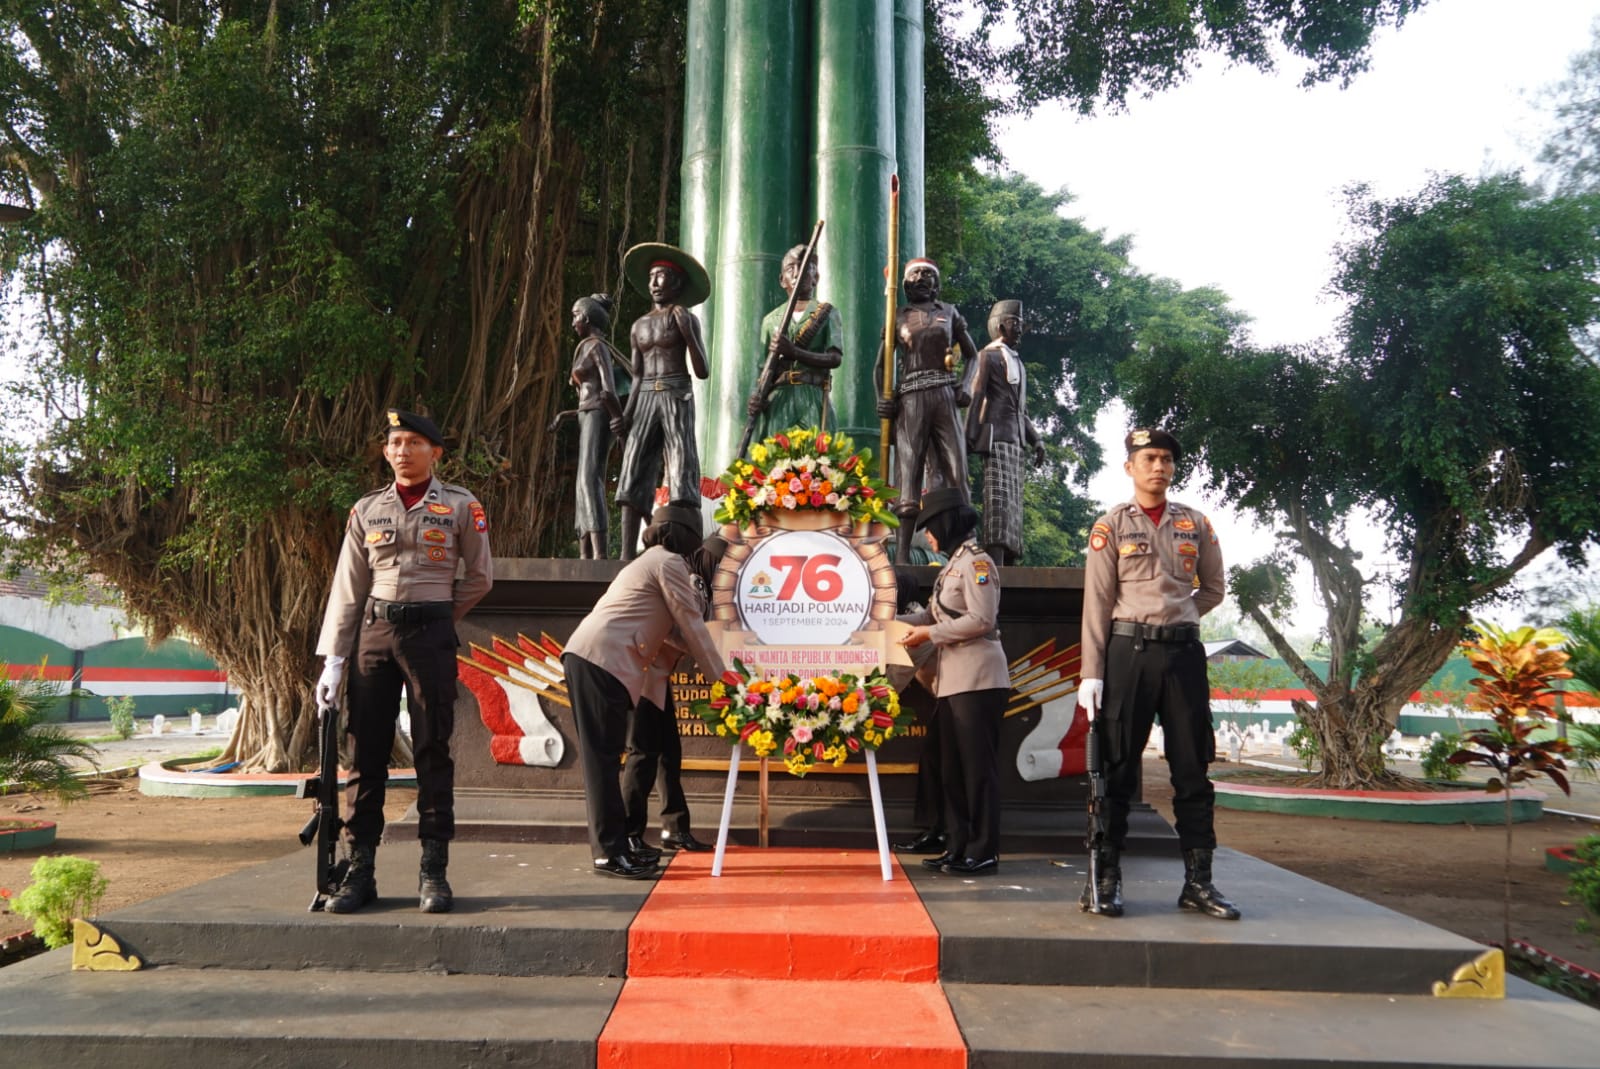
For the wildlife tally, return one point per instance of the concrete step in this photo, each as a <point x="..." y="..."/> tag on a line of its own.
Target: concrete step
<point x="1023" y="926"/>
<point x="520" y="910"/>
<point x="51" y="1017"/>
<point x="1045" y="1027"/>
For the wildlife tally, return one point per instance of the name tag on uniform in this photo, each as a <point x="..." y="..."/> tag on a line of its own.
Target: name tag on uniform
<point x="439" y="521"/>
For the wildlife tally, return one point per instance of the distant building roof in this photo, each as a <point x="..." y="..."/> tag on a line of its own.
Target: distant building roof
<point x="1232" y="647"/>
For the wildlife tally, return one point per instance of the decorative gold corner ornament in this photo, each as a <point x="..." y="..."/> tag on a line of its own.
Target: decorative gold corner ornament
<point x="1482" y="977"/>
<point x="99" y="951"/>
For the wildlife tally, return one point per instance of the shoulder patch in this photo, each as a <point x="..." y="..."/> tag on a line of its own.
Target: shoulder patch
<point x="479" y="519"/>
<point x="981" y="572"/>
<point x="1211" y="532"/>
<point x="1099" y="536"/>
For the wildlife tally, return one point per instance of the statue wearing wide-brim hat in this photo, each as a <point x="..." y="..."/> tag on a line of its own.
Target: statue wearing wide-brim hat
<point x="638" y="261"/>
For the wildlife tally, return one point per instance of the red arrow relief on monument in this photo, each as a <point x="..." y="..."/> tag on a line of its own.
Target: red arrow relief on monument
<point x="508" y="691"/>
<point x="1055" y="746"/>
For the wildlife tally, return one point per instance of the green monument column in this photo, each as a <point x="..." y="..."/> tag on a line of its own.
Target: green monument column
<point x="855" y="156"/>
<point x="702" y="142"/>
<point x="760" y="204"/>
<point x="910" y="130"/>
<point x="819" y="99"/>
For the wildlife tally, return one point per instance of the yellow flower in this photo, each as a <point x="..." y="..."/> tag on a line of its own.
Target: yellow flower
<point x="719" y="690"/>
<point x="758" y="453"/>
<point x="722" y="730"/>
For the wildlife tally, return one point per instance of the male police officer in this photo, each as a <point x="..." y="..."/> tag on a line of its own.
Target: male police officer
<point x="1154" y="569"/>
<point x="393" y="608"/>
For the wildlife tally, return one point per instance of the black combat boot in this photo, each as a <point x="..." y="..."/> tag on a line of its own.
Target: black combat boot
<point x="360" y="884"/>
<point x="1199" y="892"/>
<point x="1110" y="886"/>
<point x="433" y="890"/>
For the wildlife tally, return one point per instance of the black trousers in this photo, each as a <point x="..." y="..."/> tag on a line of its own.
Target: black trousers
<point x="600" y="707"/>
<point x="929" y="809"/>
<point x="422" y="659"/>
<point x="1146" y="681"/>
<point x="653" y="745"/>
<point x="969" y="741"/>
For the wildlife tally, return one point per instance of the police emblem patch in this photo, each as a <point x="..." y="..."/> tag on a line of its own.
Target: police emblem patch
<point x="1097" y="541"/>
<point x="479" y="519"/>
<point x="437" y="553"/>
<point x="439" y="510"/>
<point x="980" y="571"/>
<point x="1184" y="524"/>
<point x="1188" y="564"/>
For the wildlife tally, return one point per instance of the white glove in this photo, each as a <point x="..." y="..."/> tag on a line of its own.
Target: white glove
<point x="1090" y="691"/>
<point x="328" y="682"/>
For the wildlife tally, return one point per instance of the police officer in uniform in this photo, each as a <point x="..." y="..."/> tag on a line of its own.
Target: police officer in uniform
<point x="415" y="560"/>
<point x="653" y="745"/>
<point x="1154" y="568"/>
<point x="607" y="662"/>
<point x="971" y="683"/>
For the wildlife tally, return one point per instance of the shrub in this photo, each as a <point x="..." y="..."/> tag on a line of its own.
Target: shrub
<point x="1585" y="881"/>
<point x="121" y="710"/>
<point x="1436" y="763"/>
<point x="1303" y="742"/>
<point x="63" y="888"/>
<point x="34" y="755"/>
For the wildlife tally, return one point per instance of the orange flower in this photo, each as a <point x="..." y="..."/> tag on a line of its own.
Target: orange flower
<point x="850" y="704"/>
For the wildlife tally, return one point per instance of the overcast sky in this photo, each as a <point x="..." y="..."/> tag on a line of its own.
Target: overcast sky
<point x="1235" y="179"/>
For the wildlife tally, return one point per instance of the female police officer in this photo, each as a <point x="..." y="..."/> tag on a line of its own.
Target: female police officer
<point x="971" y="681"/>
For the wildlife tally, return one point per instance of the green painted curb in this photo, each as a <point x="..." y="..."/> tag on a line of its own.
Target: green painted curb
<point x="1467" y="811"/>
<point x="38" y="833"/>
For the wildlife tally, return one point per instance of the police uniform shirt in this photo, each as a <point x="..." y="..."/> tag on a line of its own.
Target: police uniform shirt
<point x="962" y="613"/>
<point x="408" y="555"/>
<point x="1147" y="573"/>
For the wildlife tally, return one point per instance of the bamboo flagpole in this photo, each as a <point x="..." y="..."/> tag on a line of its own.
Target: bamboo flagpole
<point x="889" y="292"/>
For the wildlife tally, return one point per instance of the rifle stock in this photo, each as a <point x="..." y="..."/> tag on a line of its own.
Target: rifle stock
<point x="325" y="823"/>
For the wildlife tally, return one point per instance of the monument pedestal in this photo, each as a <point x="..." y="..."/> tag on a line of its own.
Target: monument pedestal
<point x="518" y="802"/>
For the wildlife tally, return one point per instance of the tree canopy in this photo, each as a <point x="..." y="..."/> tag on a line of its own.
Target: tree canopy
<point x="1458" y="414"/>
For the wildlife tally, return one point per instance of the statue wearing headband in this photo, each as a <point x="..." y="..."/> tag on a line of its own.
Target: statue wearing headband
<point x="659" y="419"/>
<point x="927" y="393"/>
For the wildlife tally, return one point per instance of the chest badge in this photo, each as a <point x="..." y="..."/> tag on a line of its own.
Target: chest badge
<point x="437" y="553"/>
<point x="1128" y="549"/>
<point x="374" y="537"/>
<point x="439" y="510"/>
<point x="434" y="535"/>
<point x="1188" y="549"/>
<point x="1184" y="524"/>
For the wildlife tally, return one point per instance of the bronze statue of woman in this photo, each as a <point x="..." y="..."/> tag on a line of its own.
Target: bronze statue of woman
<point x="599" y="417"/>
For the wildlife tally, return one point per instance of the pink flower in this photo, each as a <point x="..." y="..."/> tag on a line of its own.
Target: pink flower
<point x="801" y="734"/>
<point x="834" y="703"/>
<point x="832" y="499"/>
<point x="794" y="486"/>
<point x="816" y="499"/>
<point x="788" y="501"/>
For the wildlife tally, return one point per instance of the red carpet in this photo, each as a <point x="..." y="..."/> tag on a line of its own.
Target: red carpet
<point x="794" y="957"/>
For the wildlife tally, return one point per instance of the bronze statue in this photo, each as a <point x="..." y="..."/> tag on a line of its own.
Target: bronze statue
<point x="659" y="419"/>
<point x="927" y="393"/>
<point x="808" y="350"/>
<point x="997" y="430"/>
<point x="599" y="417"/>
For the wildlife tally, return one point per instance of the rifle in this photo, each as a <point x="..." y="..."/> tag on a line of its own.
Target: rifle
<point x="325" y="824"/>
<point x="769" y="370"/>
<point x="1095" y="838"/>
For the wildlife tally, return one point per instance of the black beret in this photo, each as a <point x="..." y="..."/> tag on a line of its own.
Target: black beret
<point x="399" y="417"/>
<point x="1152" y="438"/>
<point x="944" y="499"/>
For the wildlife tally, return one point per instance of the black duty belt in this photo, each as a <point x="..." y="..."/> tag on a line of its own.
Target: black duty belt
<point x="410" y="612"/>
<point x="1157" y="632"/>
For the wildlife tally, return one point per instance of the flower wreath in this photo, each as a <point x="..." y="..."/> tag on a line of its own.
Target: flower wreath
<point x="803" y="469"/>
<point x="810" y="718"/>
